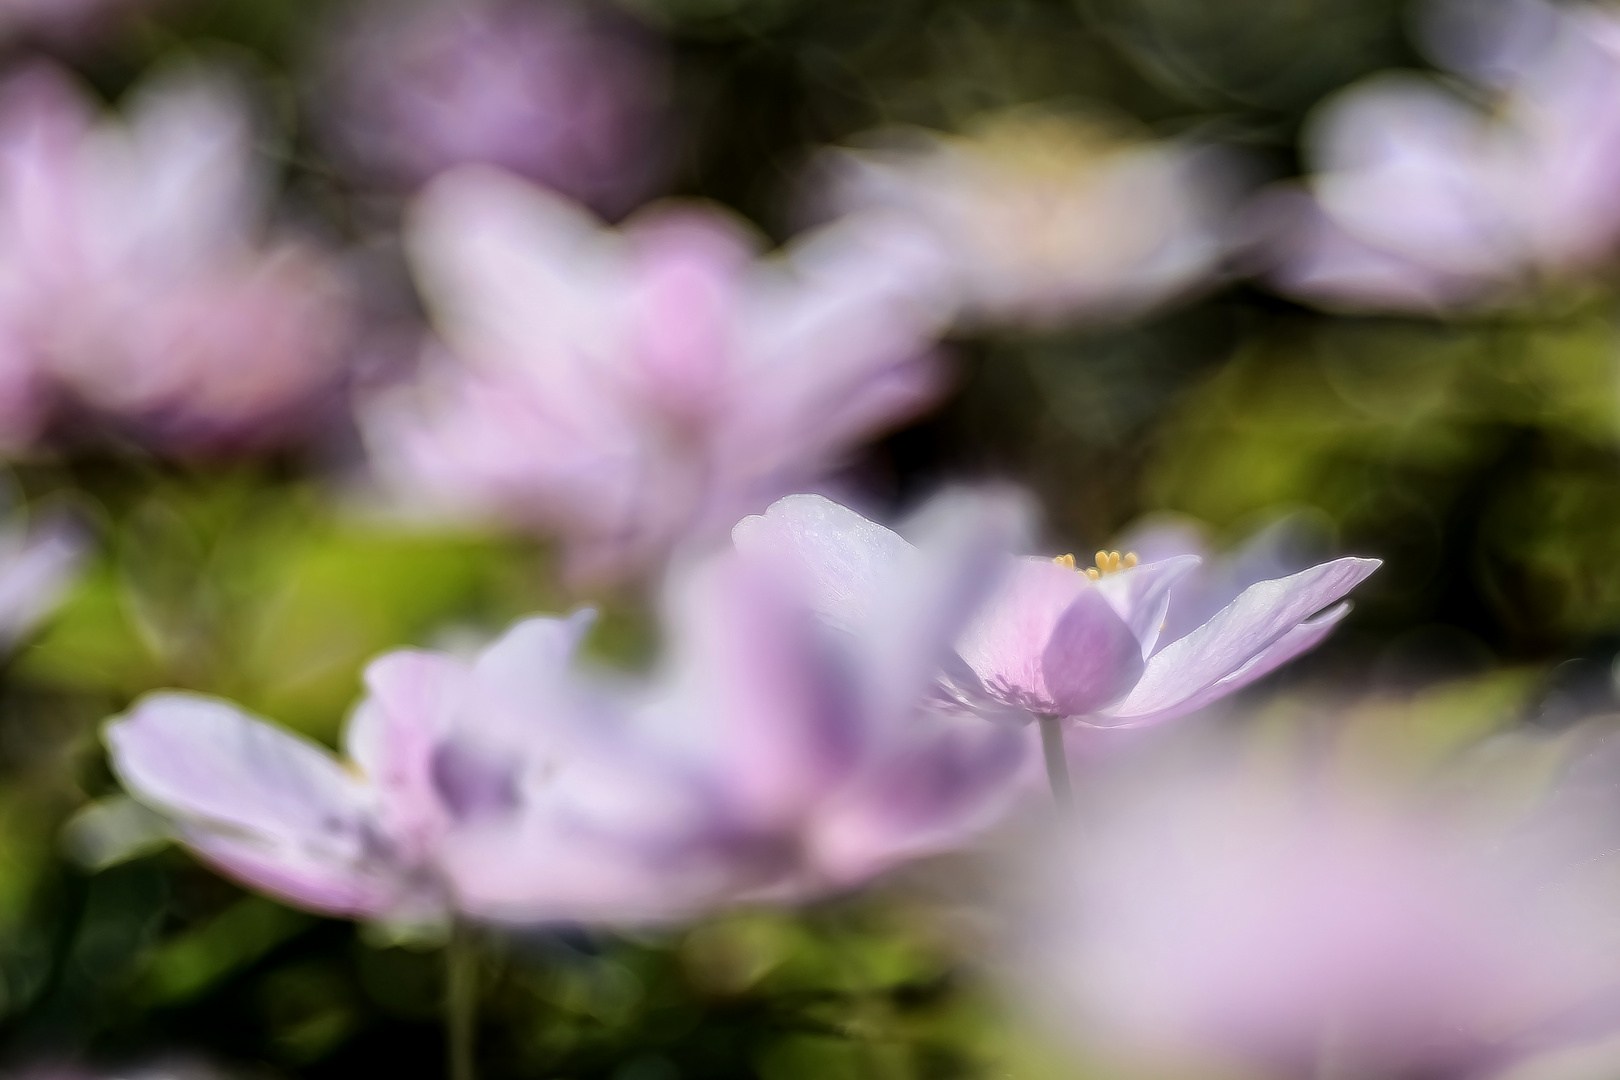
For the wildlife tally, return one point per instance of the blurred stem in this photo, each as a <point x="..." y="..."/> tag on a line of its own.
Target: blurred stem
<point x="1057" y="762"/>
<point x="461" y="1002"/>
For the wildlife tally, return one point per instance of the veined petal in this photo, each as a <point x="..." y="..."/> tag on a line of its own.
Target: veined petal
<point x="1006" y="644"/>
<point x="845" y="558"/>
<point x="1261" y="615"/>
<point x="1296" y="642"/>
<point x="1141" y="595"/>
<point x="1092" y="658"/>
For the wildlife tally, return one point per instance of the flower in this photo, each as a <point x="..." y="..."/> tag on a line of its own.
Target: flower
<point x="1421" y="200"/>
<point x="560" y="93"/>
<point x="38" y="563"/>
<point x="813" y="753"/>
<point x="1062" y="642"/>
<point x="630" y="390"/>
<point x="1042" y="218"/>
<point x="1276" y="913"/>
<point x="437" y="746"/>
<point x="132" y="279"/>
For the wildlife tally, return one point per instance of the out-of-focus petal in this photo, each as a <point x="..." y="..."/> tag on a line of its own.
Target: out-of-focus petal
<point x="845" y="557"/>
<point x="262" y="802"/>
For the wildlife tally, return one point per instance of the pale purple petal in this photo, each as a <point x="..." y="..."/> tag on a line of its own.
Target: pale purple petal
<point x="35" y="574"/>
<point x="1296" y="642"/>
<point x="1141" y="596"/>
<point x="1005" y="645"/>
<point x="526" y="663"/>
<point x="414" y="700"/>
<point x="845" y="558"/>
<point x="261" y="801"/>
<point x="1261" y="615"/>
<point x="954" y="776"/>
<point x="758" y="671"/>
<point x="1092" y="659"/>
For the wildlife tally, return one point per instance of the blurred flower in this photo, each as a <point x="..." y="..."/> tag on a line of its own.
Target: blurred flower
<point x="1276" y="913"/>
<point x="132" y="278"/>
<point x="812" y="751"/>
<point x="1068" y="642"/>
<point x="1042" y="219"/>
<point x="1422" y="200"/>
<point x="37" y="565"/>
<point x="562" y="93"/>
<point x="630" y="390"/>
<point x="437" y="745"/>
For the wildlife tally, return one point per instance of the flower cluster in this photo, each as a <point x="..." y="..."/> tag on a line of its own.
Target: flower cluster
<point x="811" y="728"/>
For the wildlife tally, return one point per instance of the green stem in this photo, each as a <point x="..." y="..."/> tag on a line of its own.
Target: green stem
<point x="1057" y="763"/>
<point x="461" y="1003"/>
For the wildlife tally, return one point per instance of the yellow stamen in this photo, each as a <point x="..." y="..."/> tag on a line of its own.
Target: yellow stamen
<point x="1108" y="562"/>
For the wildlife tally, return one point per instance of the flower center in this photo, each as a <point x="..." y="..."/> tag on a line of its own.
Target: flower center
<point x="1108" y="562"/>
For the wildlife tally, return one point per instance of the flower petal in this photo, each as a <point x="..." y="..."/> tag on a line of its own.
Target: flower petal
<point x="272" y="808"/>
<point x="1224" y="646"/>
<point x="1006" y="645"/>
<point x="1141" y="595"/>
<point x="845" y="558"/>
<point x="1092" y="658"/>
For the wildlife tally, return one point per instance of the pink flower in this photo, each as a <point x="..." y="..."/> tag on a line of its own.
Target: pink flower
<point x="1044" y="219"/>
<point x="561" y="93"/>
<point x="133" y="280"/>
<point x="1062" y="642"/>
<point x="1422" y="200"/>
<point x="630" y="390"/>
<point x="1274" y="914"/>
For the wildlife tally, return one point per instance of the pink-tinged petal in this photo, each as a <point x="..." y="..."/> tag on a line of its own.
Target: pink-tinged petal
<point x="414" y="700"/>
<point x="259" y="800"/>
<point x="1296" y="642"/>
<point x="951" y="778"/>
<point x="843" y="557"/>
<point x="1006" y="644"/>
<point x="523" y="665"/>
<point x="1141" y="596"/>
<point x="355" y="889"/>
<point x="1262" y="614"/>
<point x="758" y="670"/>
<point x="35" y="571"/>
<point x="1092" y="658"/>
<point x="962" y="555"/>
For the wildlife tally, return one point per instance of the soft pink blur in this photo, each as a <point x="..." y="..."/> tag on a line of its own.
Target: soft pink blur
<point x="1271" y="912"/>
<point x="633" y="390"/>
<point x="565" y="94"/>
<point x="1423" y="198"/>
<point x="134" y="279"/>
<point x="1045" y="219"/>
